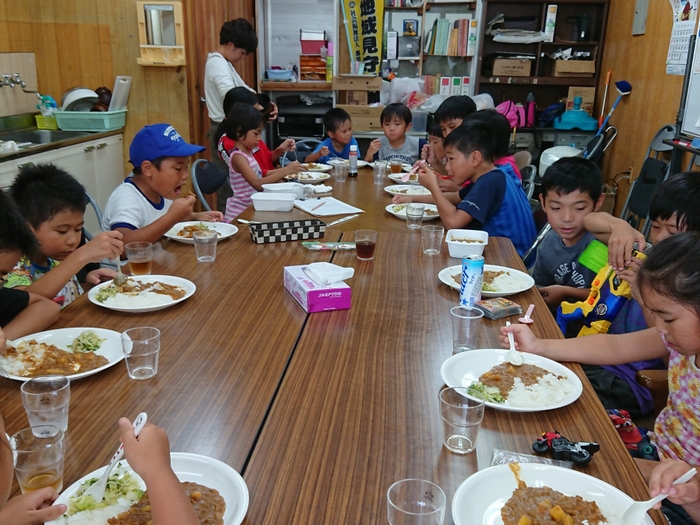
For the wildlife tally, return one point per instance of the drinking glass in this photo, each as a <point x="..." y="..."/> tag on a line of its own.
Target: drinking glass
<point x="205" y="245"/>
<point x="379" y="172"/>
<point x="365" y="242"/>
<point x="46" y="400"/>
<point x="340" y="171"/>
<point x="461" y="415"/>
<point x="431" y="237"/>
<point x="38" y="453"/>
<point x="415" y="502"/>
<point x="414" y="215"/>
<point x="141" y="347"/>
<point x="466" y="324"/>
<point x="396" y="166"/>
<point x="140" y="255"/>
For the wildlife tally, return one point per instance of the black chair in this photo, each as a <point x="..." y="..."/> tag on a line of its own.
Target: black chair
<point x="599" y="144"/>
<point x="302" y="148"/>
<point x="207" y="177"/>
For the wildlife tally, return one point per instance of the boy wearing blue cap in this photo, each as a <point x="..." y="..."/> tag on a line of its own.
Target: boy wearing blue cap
<point x="147" y="204"/>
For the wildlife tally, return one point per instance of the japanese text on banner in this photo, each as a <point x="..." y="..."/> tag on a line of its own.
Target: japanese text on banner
<point x="363" y="24"/>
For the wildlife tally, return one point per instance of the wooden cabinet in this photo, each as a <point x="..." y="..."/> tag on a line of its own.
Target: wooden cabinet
<point x="97" y="164"/>
<point x="571" y="18"/>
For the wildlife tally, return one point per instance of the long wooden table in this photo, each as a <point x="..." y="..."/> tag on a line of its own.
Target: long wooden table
<point x="321" y="412"/>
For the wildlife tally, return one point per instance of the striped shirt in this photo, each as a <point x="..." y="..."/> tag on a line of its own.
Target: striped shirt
<point x="242" y="191"/>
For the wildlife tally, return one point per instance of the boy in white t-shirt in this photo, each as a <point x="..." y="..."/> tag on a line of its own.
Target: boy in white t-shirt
<point x="148" y="204"/>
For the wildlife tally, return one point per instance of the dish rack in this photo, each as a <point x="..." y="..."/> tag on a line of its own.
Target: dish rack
<point x="90" y="120"/>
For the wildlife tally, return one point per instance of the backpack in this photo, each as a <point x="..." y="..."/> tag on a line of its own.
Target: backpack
<point x="515" y="113"/>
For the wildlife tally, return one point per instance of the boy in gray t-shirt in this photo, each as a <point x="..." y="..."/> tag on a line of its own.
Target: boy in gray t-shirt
<point x="395" y="144"/>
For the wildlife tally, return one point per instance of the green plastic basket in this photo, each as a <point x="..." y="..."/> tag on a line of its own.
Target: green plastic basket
<point x="90" y="120"/>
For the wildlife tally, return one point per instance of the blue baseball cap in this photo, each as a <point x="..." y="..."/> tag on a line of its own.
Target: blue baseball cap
<point x="159" y="140"/>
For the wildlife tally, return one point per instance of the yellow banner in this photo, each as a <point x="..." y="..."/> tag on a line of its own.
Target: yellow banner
<point x="364" y="21"/>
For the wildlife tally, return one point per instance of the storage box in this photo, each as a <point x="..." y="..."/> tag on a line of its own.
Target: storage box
<point x="570" y="68"/>
<point x="511" y="67"/>
<point x="265" y="232"/>
<point x="357" y="98"/>
<point x="357" y="82"/>
<point x="587" y="95"/>
<point x="312" y="296"/>
<point x="364" y="118"/>
<point x="273" y="201"/>
<point x="312" y="40"/>
<point x="312" y="68"/>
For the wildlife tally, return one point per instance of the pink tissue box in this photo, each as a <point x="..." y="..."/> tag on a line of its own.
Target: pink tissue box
<point x="314" y="297"/>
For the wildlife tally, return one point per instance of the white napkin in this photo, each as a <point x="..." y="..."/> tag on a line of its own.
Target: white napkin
<point x="325" y="273"/>
<point x="322" y="188"/>
<point x="9" y="146"/>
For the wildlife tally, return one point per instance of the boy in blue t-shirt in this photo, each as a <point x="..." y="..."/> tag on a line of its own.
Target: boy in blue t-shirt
<point x="493" y="202"/>
<point x="338" y="125"/>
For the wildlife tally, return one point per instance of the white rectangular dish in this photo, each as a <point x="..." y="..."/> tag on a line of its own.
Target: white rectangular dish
<point x="273" y="201"/>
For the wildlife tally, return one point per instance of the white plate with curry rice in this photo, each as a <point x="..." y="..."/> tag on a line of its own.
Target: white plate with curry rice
<point x="481" y="497"/>
<point x="142" y="293"/>
<point x="72" y="352"/>
<point x="430" y="212"/>
<point x="407" y="189"/>
<point x="183" y="231"/>
<point x="499" y="281"/>
<point x="205" y="471"/>
<point x="542" y="385"/>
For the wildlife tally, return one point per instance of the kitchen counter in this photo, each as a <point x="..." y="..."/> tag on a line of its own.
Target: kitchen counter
<point x="40" y="148"/>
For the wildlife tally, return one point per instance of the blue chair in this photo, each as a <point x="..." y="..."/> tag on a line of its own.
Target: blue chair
<point x="98" y="213"/>
<point x="207" y="177"/>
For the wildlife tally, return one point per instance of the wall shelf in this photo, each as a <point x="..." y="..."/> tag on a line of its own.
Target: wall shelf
<point x="304" y="85"/>
<point x="539" y="81"/>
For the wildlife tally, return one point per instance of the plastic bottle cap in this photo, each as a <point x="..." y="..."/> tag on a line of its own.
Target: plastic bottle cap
<point x="353" y="148"/>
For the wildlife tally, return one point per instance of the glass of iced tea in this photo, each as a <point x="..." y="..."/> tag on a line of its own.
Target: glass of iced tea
<point x="365" y="242"/>
<point x="396" y="166"/>
<point x="140" y="255"/>
<point x="39" y="454"/>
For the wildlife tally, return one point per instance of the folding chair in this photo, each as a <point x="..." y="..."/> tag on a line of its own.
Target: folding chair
<point x="207" y="177"/>
<point x="529" y="173"/>
<point x="694" y="160"/>
<point x="599" y="144"/>
<point x="532" y="249"/>
<point x="300" y="153"/>
<point x="98" y="213"/>
<point x="522" y="159"/>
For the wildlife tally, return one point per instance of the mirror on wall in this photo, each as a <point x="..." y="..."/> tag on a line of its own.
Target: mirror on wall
<point x="161" y="34"/>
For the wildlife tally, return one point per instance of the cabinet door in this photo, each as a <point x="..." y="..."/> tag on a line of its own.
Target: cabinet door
<point x="108" y="159"/>
<point x="9" y="169"/>
<point x="8" y="172"/>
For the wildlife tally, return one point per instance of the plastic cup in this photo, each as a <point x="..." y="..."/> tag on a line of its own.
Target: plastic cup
<point x="396" y="166"/>
<point x="379" y="173"/>
<point x="365" y="242"/>
<point x="140" y="255"/>
<point x="46" y="400"/>
<point x="415" y="502"/>
<point x="461" y="417"/>
<point x="431" y="237"/>
<point x="466" y="324"/>
<point x="38" y="454"/>
<point x="414" y="215"/>
<point x="340" y="172"/>
<point x="205" y="245"/>
<point x="141" y="347"/>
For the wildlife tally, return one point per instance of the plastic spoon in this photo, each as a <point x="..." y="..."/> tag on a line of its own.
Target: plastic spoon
<point x="120" y="279"/>
<point x="527" y="319"/>
<point x="514" y="357"/>
<point x="634" y="515"/>
<point x="97" y="490"/>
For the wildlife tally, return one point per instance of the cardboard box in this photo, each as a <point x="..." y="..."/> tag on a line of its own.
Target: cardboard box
<point x="587" y="95"/>
<point x="357" y="82"/>
<point x="314" y="297"/>
<point x="570" y="68"/>
<point x="357" y="98"/>
<point x="364" y="118"/>
<point x="509" y="67"/>
<point x="366" y="124"/>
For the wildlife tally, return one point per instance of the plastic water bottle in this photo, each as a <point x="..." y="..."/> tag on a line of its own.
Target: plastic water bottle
<point x="352" y="157"/>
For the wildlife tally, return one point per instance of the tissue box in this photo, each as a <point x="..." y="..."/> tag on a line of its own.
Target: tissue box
<point x="312" y="296"/>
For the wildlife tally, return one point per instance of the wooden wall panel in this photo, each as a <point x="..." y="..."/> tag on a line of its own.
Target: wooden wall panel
<point x="641" y="60"/>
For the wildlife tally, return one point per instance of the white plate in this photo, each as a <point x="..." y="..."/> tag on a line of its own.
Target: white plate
<point x="446" y="274"/>
<point x="314" y="177"/>
<point x="396" y="177"/>
<point x="405" y="166"/>
<point x="360" y="163"/>
<point x="465" y="368"/>
<point x="402" y="214"/>
<point x="188" y="286"/>
<point x="225" y="230"/>
<point x="480" y="498"/>
<point x="111" y="347"/>
<point x="206" y="471"/>
<point x="414" y="189"/>
<point x="321" y="167"/>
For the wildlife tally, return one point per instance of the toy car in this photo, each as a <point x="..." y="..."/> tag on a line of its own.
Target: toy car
<point x="580" y="453"/>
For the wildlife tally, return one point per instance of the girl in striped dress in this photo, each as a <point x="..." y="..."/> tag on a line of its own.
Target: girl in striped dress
<point x="244" y="125"/>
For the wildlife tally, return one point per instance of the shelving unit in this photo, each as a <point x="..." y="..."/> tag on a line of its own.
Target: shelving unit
<point x="546" y="88"/>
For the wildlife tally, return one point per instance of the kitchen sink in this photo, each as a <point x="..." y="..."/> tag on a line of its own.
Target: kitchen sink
<point x="41" y="136"/>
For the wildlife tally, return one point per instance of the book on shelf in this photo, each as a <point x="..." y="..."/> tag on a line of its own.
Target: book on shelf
<point x="446" y="86"/>
<point x="456" y="38"/>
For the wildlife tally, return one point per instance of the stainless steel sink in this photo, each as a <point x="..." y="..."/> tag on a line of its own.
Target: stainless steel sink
<point x="41" y="136"/>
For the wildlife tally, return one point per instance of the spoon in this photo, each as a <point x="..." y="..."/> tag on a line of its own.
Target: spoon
<point x="120" y="278"/>
<point x="636" y="511"/>
<point x="527" y="319"/>
<point x="514" y="357"/>
<point x="97" y="490"/>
